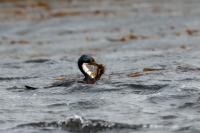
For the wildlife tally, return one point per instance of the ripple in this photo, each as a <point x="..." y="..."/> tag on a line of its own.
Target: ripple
<point x="15" y="78"/>
<point x="186" y="68"/>
<point x="158" y="99"/>
<point x="11" y="65"/>
<point x="86" y="104"/>
<point x="185" y="128"/>
<point x="190" y="90"/>
<point x="93" y="88"/>
<point x="167" y="117"/>
<point x="38" y="61"/>
<point x="80" y="124"/>
<point x="73" y="85"/>
<point x="57" y="105"/>
<point x="170" y="99"/>
<point x="143" y="89"/>
<point x="21" y="89"/>
<point x="189" y="105"/>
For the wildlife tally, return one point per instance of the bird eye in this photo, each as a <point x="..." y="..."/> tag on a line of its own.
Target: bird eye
<point x="92" y="60"/>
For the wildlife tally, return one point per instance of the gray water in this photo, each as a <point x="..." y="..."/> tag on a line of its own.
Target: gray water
<point x="38" y="48"/>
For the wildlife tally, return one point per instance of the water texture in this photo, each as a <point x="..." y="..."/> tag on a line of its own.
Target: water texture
<point x="150" y="49"/>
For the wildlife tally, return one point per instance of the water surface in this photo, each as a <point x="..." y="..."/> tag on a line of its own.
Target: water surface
<point x="150" y="49"/>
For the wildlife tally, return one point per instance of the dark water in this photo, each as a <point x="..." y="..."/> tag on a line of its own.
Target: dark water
<point x="129" y="37"/>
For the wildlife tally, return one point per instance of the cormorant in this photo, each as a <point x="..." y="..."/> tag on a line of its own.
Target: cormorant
<point x="90" y="69"/>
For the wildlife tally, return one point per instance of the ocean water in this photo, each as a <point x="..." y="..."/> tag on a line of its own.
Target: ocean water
<point x="150" y="50"/>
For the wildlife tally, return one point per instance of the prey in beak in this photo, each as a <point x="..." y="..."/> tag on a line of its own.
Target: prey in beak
<point x="93" y="69"/>
<point x="90" y="69"/>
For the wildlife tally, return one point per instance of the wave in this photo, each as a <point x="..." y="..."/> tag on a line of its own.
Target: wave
<point x="15" y="78"/>
<point x="143" y="89"/>
<point x="39" y="61"/>
<point x="80" y="124"/>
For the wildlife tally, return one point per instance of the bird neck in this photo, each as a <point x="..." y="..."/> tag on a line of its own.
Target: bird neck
<point x="87" y="77"/>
